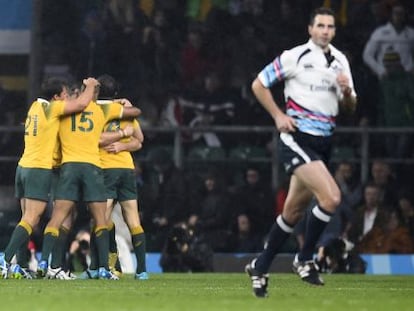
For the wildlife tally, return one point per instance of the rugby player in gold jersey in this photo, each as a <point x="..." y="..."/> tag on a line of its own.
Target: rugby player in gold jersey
<point x="81" y="177"/>
<point x="34" y="170"/>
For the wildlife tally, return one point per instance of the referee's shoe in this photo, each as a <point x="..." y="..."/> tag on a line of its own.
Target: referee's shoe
<point x="308" y="271"/>
<point x="259" y="280"/>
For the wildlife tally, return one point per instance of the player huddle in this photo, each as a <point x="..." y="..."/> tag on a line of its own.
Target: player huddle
<point x="76" y="146"/>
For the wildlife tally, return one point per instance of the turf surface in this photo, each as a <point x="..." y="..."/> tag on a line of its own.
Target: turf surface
<point x="215" y="291"/>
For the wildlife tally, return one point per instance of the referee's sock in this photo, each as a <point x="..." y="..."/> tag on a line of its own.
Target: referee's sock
<point x="278" y="234"/>
<point x="316" y="223"/>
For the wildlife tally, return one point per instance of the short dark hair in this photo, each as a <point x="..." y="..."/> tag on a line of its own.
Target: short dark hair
<point x="52" y="86"/>
<point x="320" y="11"/>
<point x="109" y="87"/>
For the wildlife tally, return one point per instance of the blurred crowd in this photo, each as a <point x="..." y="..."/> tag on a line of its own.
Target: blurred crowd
<point x="192" y="61"/>
<point x="188" y="217"/>
<point x="377" y="217"/>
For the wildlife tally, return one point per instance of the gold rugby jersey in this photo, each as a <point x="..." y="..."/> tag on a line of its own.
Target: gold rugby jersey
<point x="121" y="159"/>
<point x="40" y="133"/>
<point x="57" y="155"/>
<point x="79" y="133"/>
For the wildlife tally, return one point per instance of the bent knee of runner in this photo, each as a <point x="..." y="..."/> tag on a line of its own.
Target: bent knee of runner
<point x="330" y="201"/>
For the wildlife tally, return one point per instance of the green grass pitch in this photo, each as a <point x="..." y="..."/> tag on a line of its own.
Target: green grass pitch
<point x="210" y="291"/>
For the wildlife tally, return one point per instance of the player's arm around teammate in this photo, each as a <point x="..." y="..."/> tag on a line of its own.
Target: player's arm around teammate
<point x="134" y="143"/>
<point x="32" y="208"/>
<point x="34" y="170"/>
<point x="118" y="164"/>
<point x="81" y="177"/>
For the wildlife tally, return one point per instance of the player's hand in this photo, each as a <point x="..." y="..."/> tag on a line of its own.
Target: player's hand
<point x="125" y="102"/>
<point x="128" y="130"/>
<point x="343" y="82"/>
<point x="90" y="81"/>
<point x="115" y="147"/>
<point x="285" y="124"/>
